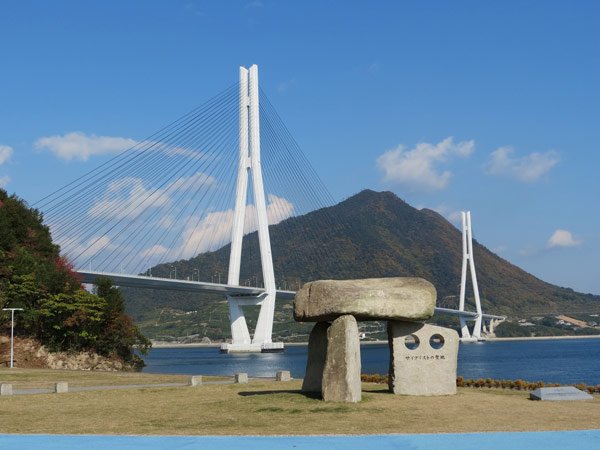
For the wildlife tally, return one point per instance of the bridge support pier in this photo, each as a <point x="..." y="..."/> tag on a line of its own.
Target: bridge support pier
<point x="250" y="166"/>
<point x="467" y="245"/>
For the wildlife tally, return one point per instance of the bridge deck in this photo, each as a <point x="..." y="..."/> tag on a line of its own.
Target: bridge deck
<point x="171" y="284"/>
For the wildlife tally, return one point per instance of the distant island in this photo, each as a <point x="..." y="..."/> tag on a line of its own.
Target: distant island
<point x="371" y="234"/>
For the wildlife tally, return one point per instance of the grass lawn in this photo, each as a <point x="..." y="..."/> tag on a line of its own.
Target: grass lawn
<point x="268" y="407"/>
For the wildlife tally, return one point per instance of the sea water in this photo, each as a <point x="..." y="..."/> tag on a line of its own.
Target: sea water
<point x="551" y="361"/>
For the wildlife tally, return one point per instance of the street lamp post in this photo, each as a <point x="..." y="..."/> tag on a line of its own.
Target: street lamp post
<point x="12" y="333"/>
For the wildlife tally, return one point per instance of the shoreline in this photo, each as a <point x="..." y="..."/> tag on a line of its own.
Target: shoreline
<point x="542" y="338"/>
<point x="162" y="344"/>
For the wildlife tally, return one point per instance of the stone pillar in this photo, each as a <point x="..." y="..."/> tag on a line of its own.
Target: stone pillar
<point x="61" y="387"/>
<point x="241" y="378"/>
<point x="6" y="389"/>
<point x="315" y="364"/>
<point x="492" y="326"/>
<point x="283" y="375"/>
<point x="425" y="363"/>
<point x="196" y="380"/>
<point x="341" y="377"/>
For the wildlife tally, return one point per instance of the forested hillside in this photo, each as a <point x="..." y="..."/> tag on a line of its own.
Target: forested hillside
<point x="372" y="234"/>
<point x="56" y="309"/>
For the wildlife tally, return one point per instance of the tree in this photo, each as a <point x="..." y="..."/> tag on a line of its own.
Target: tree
<point x="57" y="309"/>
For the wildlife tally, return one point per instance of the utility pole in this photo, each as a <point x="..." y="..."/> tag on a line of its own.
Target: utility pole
<point x="12" y="333"/>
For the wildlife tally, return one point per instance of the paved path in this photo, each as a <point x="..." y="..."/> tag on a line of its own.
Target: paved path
<point x="551" y="440"/>
<point x="31" y="391"/>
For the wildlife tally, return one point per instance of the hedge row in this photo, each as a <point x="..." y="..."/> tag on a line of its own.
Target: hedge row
<point x="519" y="385"/>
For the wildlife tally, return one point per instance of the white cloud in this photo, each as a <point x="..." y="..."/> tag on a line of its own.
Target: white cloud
<point x="5" y="153"/>
<point x="78" y="145"/>
<point x="129" y="197"/>
<point x="214" y="230"/>
<point x="193" y="181"/>
<point x="165" y="222"/>
<point x="87" y="249"/>
<point x="452" y="215"/>
<point x="133" y="199"/>
<point x="528" y="169"/>
<point x="563" y="238"/>
<point x="285" y="86"/>
<point x="155" y="250"/>
<point x="374" y="67"/>
<point x="4" y="180"/>
<point x="180" y="151"/>
<point x="416" y="168"/>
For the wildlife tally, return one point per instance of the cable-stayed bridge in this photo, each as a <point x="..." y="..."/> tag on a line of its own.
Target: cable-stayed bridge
<point x="226" y="170"/>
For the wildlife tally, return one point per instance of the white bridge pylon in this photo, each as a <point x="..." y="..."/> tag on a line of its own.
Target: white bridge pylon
<point x="467" y="260"/>
<point x="250" y="167"/>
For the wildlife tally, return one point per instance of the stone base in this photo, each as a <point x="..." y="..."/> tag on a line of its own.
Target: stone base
<point x="560" y="393"/>
<point x="423" y="359"/>
<point x="271" y="347"/>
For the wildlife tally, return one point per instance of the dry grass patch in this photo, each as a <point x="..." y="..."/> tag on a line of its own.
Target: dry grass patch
<point x="267" y="407"/>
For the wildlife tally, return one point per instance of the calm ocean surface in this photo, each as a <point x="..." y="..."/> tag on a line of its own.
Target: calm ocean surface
<point x="553" y="361"/>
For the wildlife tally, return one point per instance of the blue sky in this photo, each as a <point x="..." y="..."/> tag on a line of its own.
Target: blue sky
<point x="491" y="107"/>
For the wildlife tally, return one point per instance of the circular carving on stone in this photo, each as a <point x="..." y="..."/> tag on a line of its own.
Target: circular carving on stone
<point x="411" y="342"/>
<point x="436" y="341"/>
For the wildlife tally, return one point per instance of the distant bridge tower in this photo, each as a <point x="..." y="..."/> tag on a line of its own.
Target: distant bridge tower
<point x="467" y="245"/>
<point x="249" y="165"/>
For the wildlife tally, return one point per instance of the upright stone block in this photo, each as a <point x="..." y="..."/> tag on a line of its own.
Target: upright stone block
<point x="423" y="359"/>
<point x="241" y="378"/>
<point x="315" y="364"/>
<point x="341" y="377"/>
<point x="61" y="387"/>
<point x="6" y="389"/>
<point x="196" y="380"/>
<point x="283" y="375"/>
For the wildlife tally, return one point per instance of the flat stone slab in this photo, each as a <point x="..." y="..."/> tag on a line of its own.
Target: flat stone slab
<point x="559" y="393"/>
<point x="405" y="299"/>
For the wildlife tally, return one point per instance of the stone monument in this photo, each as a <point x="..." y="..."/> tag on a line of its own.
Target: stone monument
<point x="422" y="357"/>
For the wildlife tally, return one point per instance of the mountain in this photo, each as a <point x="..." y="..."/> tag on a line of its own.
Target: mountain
<point x="372" y="234"/>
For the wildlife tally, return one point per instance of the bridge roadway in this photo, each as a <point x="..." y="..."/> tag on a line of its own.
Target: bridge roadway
<point x="172" y="284"/>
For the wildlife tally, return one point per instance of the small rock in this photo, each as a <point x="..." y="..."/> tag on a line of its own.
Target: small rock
<point x="283" y="375"/>
<point x="61" y="387"/>
<point x="196" y="380"/>
<point x="241" y="378"/>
